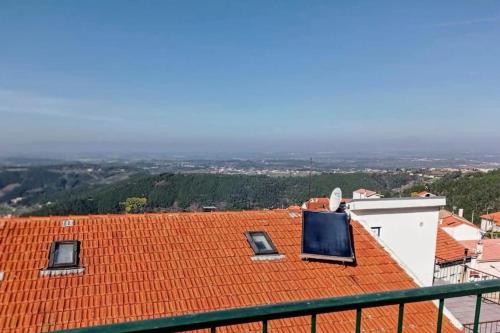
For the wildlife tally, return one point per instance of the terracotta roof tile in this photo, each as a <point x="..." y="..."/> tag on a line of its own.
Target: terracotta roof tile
<point x="447" y="248"/>
<point x="155" y="265"/>
<point x="318" y="204"/>
<point x="491" y="250"/>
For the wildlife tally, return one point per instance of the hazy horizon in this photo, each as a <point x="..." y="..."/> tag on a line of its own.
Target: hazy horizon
<point x="223" y="77"/>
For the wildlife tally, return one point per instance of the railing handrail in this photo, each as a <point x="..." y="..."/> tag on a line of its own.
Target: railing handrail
<point x="295" y="309"/>
<point x="484" y="322"/>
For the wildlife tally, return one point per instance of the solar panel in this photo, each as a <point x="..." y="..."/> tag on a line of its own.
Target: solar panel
<point x="327" y="236"/>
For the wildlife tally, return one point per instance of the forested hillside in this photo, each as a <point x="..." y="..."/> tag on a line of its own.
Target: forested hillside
<point x="191" y="191"/>
<point x="23" y="189"/>
<point x="32" y="183"/>
<point x="475" y="192"/>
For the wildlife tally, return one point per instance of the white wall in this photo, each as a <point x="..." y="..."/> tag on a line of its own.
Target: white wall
<point x="488" y="225"/>
<point x="408" y="228"/>
<point x="463" y="232"/>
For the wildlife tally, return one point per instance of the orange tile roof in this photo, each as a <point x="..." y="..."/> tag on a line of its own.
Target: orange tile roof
<point x="318" y="204"/>
<point x="447" y="248"/>
<point x="154" y="265"/>
<point x="321" y="203"/>
<point x="455" y="221"/>
<point x="492" y="216"/>
<point x="491" y="250"/>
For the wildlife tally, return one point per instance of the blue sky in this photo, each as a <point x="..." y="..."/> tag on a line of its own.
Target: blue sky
<point x="249" y="76"/>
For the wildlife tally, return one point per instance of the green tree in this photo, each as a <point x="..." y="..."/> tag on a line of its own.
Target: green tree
<point x="134" y="205"/>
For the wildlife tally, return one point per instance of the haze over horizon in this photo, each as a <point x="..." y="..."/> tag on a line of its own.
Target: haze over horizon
<point x="226" y="76"/>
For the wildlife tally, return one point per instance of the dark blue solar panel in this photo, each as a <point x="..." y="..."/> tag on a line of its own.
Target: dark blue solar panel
<point x="326" y="235"/>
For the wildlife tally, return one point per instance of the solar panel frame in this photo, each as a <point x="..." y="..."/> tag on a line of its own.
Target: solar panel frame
<point x="342" y="224"/>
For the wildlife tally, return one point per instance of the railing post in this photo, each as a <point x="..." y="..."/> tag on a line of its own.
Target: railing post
<point x="400" y="317"/>
<point x="440" y="316"/>
<point x="264" y="326"/>
<point x="358" y="320"/>
<point x="313" y="323"/>
<point x="464" y="272"/>
<point x="213" y="329"/>
<point x="477" y="313"/>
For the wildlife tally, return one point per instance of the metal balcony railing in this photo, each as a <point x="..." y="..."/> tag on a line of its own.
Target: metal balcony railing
<point x="312" y="308"/>
<point x="454" y="272"/>
<point x="485" y="327"/>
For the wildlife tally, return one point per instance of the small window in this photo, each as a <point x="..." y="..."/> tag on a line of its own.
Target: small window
<point x="64" y="254"/>
<point x="260" y="242"/>
<point x="376" y="231"/>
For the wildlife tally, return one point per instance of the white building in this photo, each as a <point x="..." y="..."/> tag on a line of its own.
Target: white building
<point x="407" y="227"/>
<point x="490" y="222"/>
<point x="458" y="227"/>
<point x="365" y="194"/>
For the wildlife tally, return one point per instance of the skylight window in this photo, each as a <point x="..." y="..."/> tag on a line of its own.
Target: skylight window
<point x="68" y="223"/>
<point x="260" y="242"/>
<point x="64" y="254"/>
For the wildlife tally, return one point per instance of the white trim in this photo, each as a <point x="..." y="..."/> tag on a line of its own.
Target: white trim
<point x="262" y="257"/>
<point x="386" y="203"/>
<point x="56" y="272"/>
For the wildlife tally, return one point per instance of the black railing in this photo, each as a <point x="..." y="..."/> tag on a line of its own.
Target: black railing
<point x="484" y="327"/>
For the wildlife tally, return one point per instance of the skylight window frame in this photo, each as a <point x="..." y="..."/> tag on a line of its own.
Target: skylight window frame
<point x="52" y="255"/>
<point x="250" y="234"/>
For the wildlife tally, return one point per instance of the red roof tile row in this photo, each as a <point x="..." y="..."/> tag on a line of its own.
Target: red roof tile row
<point x="155" y="265"/>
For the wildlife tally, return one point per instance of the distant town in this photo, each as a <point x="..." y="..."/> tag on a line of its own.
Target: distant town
<point x="29" y="185"/>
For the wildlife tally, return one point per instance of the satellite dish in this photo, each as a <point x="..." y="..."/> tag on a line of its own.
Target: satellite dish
<point x="335" y="199"/>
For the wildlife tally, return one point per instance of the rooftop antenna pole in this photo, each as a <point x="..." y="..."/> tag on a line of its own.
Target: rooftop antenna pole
<point x="310" y="177"/>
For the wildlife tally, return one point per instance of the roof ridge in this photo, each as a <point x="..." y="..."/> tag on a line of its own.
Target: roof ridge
<point x="265" y="210"/>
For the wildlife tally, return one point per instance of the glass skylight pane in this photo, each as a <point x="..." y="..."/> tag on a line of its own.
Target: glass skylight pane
<point x="64" y="254"/>
<point x="261" y="243"/>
